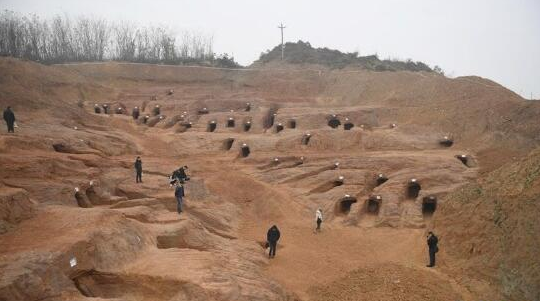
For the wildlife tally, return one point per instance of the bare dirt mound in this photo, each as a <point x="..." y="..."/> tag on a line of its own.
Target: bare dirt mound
<point x="387" y="283"/>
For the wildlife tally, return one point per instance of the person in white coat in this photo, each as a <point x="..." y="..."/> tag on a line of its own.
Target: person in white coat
<point x="318" y="219"/>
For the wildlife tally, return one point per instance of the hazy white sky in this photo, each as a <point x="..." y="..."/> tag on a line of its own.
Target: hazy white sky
<point x="497" y="39"/>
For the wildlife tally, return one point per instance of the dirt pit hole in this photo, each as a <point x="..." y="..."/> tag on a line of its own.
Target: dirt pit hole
<point x="127" y="287"/>
<point x="82" y="199"/>
<point x="279" y="127"/>
<point x="247" y="126"/>
<point x="187" y="125"/>
<point x="156" y="111"/>
<point x="373" y="204"/>
<point x="228" y="143"/>
<point x="230" y="122"/>
<point x="345" y="203"/>
<point x="413" y="189"/>
<point x="446" y="141"/>
<point x="381" y="179"/>
<point x="244" y="151"/>
<point x="466" y="160"/>
<point x="328" y="185"/>
<point x="291" y="124"/>
<point x="176" y="241"/>
<point x="348" y="126"/>
<point x="212" y="125"/>
<point x="429" y="205"/>
<point x="92" y="195"/>
<point x="334" y="122"/>
<point x="305" y="139"/>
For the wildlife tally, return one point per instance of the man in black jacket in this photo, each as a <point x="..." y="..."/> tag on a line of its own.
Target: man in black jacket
<point x="432" y="241"/>
<point x="9" y="117"/>
<point x="138" y="170"/>
<point x="272" y="237"/>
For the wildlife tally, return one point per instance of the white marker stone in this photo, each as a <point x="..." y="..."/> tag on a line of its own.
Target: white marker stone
<point x="73" y="262"/>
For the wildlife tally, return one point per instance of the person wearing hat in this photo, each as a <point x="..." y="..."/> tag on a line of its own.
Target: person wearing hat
<point x="9" y="117"/>
<point x="179" y="194"/>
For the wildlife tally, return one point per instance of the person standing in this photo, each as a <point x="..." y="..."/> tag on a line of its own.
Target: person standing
<point x="179" y="194"/>
<point x="432" y="242"/>
<point x="138" y="170"/>
<point x="318" y="219"/>
<point x="9" y="117"/>
<point x="272" y="237"/>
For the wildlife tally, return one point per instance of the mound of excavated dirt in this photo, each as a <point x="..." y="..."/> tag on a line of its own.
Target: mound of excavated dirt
<point x="389" y="282"/>
<point x="68" y="191"/>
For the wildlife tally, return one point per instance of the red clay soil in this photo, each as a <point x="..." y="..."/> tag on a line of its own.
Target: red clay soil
<point x="114" y="239"/>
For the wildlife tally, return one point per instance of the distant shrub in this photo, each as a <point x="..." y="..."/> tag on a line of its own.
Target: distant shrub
<point x="302" y="53"/>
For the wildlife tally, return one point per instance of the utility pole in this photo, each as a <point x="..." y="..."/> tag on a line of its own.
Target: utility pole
<point x="282" y="47"/>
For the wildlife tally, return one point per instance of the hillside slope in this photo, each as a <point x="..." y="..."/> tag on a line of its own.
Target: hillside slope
<point x="131" y="244"/>
<point x="490" y="229"/>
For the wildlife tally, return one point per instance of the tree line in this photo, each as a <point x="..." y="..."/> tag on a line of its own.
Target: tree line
<point x="61" y="39"/>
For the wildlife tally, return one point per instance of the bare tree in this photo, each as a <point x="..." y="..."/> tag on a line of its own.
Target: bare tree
<point x="60" y="39"/>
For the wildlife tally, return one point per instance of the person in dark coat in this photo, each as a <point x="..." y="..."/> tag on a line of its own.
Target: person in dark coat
<point x="179" y="194"/>
<point x="106" y="108"/>
<point x="272" y="237"/>
<point x="138" y="170"/>
<point x="432" y="241"/>
<point x="135" y="113"/>
<point x="9" y="117"/>
<point x="179" y="175"/>
<point x="97" y="109"/>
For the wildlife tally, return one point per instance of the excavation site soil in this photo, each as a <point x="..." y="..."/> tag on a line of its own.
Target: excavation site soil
<point x="387" y="156"/>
